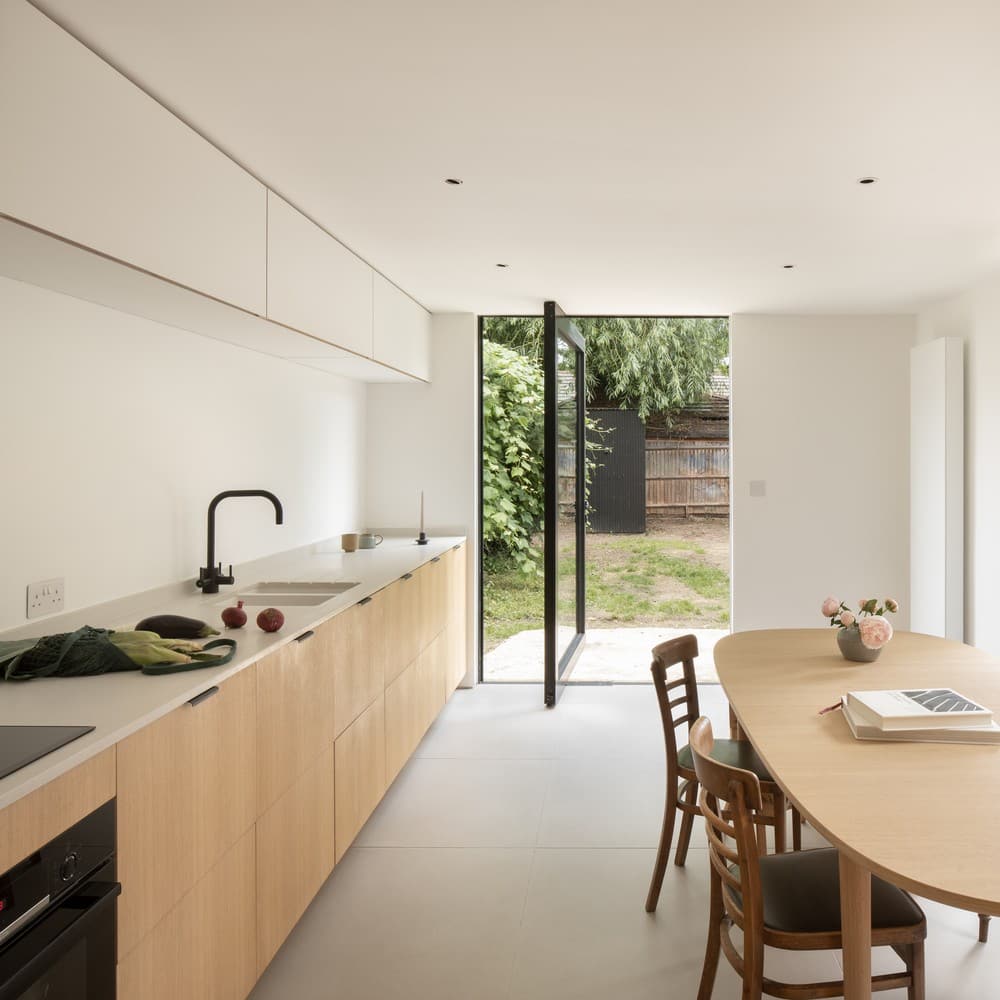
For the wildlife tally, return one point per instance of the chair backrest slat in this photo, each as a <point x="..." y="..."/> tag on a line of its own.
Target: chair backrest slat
<point x="682" y="650"/>
<point x="739" y="866"/>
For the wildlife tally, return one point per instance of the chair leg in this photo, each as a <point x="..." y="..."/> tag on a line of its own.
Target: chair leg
<point x="687" y="822"/>
<point x="915" y="965"/>
<point x="796" y="830"/>
<point x="780" y="834"/>
<point x="713" y="945"/>
<point x="663" y="851"/>
<point x="984" y="928"/>
<point x="753" y="969"/>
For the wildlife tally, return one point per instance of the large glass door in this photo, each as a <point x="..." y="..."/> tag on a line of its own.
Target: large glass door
<point x="565" y="497"/>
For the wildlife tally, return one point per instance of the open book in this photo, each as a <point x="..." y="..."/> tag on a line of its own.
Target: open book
<point x="974" y="726"/>
<point x="918" y="708"/>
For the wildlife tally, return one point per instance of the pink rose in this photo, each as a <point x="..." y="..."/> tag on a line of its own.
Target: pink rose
<point x="846" y="619"/>
<point x="875" y="631"/>
<point x="891" y="605"/>
<point x="830" y="607"/>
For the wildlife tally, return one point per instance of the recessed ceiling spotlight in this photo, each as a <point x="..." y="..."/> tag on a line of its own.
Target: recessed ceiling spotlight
<point x="452" y="180"/>
<point x="503" y="265"/>
<point x="788" y="267"/>
<point x="868" y="180"/>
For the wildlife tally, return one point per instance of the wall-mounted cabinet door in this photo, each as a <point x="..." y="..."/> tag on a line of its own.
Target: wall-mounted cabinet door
<point x="295" y="695"/>
<point x="314" y="283"/>
<point x="402" y="331"/>
<point x="92" y="158"/>
<point x="186" y="794"/>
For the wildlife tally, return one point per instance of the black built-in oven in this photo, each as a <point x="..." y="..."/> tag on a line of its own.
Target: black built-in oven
<point x="57" y="916"/>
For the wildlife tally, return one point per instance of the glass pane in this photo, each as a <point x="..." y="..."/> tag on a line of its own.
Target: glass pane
<point x="566" y="535"/>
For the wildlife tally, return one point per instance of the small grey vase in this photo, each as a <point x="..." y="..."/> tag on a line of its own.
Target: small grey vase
<point x="852" y="648"/>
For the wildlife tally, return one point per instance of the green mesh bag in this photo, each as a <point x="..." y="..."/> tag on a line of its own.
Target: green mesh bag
<point x="89" y="651"/>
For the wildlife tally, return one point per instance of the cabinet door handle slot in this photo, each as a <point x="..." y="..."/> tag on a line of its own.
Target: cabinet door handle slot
<point x="364" y="600"/>
<point x="304" y="636"/>
<point x="406" y="576"/>
<point x="436" y="559"/>
<point x="204" y="696"/>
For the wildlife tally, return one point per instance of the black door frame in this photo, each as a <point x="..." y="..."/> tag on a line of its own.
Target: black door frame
<point x="557" y="665"/>
<point x="482" y="317"/>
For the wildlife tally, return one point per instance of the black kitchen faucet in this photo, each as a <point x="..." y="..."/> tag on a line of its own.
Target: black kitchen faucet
<point x="210" y="576"/>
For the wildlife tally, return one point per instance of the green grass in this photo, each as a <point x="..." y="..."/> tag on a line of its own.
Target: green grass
<point x="641" y="545"/>
<point x="512" y="602"/>
<point x="626" y="579"/>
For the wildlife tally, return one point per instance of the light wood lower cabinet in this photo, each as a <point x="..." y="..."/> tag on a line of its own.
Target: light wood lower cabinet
<point x="205" y="948"/>
<point x="412" y="702"/>
<point x="295" y="698"/>
<point x="432" y="595"/>
<point x="457" y="656"/>
<point x="360" y="773"/>
<point x="399" y="642"/>
<point x="303" y="744"/>
<point x="295" y="854"/>
<point x="30" y="822"/>
<point x="358" y="672"/>
<point x="186" y="794"/>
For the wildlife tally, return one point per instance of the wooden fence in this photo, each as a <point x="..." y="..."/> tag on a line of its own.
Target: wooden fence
<point x="687" y="477"/>
<point x="683" y="477"/>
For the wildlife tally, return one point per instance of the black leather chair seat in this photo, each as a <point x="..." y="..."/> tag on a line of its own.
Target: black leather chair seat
<point x="802" y="895"/>
<point x="735" y="753"/>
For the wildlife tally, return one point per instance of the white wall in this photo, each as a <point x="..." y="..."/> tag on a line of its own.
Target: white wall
<point x="427" y="439"/>
<point x="974" y="316"/>
<point x="820" y="413"/>
<point x="937" y="446"/>
<point x="118" y="431"/>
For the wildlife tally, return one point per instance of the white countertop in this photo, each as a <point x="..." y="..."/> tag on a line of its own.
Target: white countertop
<point x="121" y="703"/>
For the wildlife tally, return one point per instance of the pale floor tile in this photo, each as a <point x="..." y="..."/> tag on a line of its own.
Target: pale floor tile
<point x="441" y="914"/>
<point x="585" y="934"/>
<point x="604" y="803"/>
<point x="456" y="802"/>
<point x="407" y="923"/>
<point x="493" y="720"/>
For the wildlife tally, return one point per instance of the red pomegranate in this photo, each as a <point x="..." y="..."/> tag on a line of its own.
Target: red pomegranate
<point x="270" y="620"/>
<point x="234" y="617"/>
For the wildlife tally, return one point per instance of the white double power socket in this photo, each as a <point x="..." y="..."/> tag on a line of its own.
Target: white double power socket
<point x="46" y="597"/>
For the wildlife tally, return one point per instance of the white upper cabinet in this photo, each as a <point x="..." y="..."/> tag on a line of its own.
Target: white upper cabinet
<point x="89" y="157"/>
<point x="316" y="284"/>
<point x="402" y="331"/>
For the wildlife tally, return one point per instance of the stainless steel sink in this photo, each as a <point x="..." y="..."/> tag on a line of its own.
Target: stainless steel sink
<point x="300" y="587"/>
<point x="283" y="600"/>
<point x="292" y="593"/>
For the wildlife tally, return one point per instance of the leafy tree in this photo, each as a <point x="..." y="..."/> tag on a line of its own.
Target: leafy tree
<point x="653" y="365"/>
<point x="513" y="469"/>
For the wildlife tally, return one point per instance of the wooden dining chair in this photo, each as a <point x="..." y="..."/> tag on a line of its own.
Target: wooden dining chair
<point x="682" y="784"/>
<point x="789" y="901"/>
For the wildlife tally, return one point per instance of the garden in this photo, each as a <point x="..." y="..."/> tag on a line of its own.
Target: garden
<point x="677" y="573"/>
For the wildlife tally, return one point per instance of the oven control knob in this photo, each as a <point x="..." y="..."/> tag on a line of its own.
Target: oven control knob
<point x="67" y="870"/>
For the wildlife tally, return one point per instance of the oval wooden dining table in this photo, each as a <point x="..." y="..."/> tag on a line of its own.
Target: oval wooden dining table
<point x="924" y="816"/>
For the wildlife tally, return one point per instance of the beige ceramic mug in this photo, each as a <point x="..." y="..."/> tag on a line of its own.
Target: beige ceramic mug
<point x="349" y="542"/>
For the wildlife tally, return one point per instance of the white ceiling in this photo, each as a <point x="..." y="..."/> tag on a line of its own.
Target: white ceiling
<point x="645" y="156"/>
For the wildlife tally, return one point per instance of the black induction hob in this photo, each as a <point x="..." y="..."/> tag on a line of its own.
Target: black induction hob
<point x="22" y="745"/>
